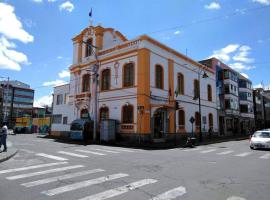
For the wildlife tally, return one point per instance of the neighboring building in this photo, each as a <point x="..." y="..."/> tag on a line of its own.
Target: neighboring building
<point x="261" y="100"/>
<point x="233" y="92"/>
<point x="63" y="112"/>
<point x="139" y="82"/>
<point x="20" y="100"/>
<point x="247" y="121"/>
<point x="1" y="104"/>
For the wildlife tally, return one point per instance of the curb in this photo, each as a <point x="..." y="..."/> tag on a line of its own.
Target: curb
<point x="9" y="156"/>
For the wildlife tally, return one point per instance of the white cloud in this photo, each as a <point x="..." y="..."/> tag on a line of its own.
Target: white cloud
<point x="213" y="6"/>
<point x="241" y="56"/>
<point x="59" y="57"/>
<point x="68" y="6"/>
<point x="64" y="74"/>
<point x="266" y="87"/>
<point x="37" y="1"/>
<point x="240" y="66"/>
<point x="54" y="83"/>
<point x="177" y="32"/>
<point x="223" y="54"/>
<point x="10" y="26"/>
<point x="264" y="2"/>
<point x="44" y="101"/>
<point x="245" y="75"/>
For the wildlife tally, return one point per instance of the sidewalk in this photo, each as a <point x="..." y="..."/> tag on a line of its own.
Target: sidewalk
<point x="11" y="151"/>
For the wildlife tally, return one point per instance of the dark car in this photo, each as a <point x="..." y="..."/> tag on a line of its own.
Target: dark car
<point x="82" y="129"/>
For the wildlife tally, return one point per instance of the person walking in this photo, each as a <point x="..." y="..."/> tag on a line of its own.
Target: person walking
<point x="4" y="132"/>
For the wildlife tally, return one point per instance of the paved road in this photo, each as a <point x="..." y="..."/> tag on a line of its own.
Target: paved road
<point x="45" y="169"/>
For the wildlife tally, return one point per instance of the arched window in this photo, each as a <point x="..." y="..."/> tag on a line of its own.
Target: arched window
<point x="209" y="92"/>
<point x="196" y="89"/>
<point x="127" y="114"/>
<point x="180" y="83"/>
<point x="103" y="113"/>
<point x="181" y="118"/>
<point x="128" y="75"/>
<point x="105" y="79"/>
<point x="88" y="48"/>
<point x="84" y="114"/>
<point x="86" y="83"/>
<point x="197" y="119"/>
<point x="159" y="77"/>
<point x="211" y="121"/>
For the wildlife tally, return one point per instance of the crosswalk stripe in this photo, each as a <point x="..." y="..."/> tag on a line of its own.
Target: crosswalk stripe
<point x="235" y="198"/>
<point x="72" y="154"/>
<point x="193" y="149"/>
<point x="108" y="151"/>
<point x="243" y="154"/>
<point x="51" y="156"/>
<point x="43" y="172"/>
<point x="118" y="149"/>
<point x="91" y="152"/>
<point x="171" y="194"/>
<point x="59" y="178"/>
<point x="265" y="156"/>
<point x="208" y="151"/>
<point x="83" y="184"/>
<point x="31" y="167"/>
<point x="120" y="190"/>
<point x="225" y="152"/>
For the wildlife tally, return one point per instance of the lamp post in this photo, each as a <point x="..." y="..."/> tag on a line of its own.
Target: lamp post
<point x="204" y="75"/>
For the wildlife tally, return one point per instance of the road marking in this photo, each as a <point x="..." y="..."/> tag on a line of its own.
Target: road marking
<point x="31" y="167"/>
<point x="43" y="172"/>
<point x="171" y="194"/>
<point x="120" y="190"/>
<point x="83" y="184"/>
<point x="108" y="151"/>
<point x="91" y="152"/>
<point x="59" y="178"/>
<point x="118" y="149"/>
<point x="265" y="156"/>
<point x="51" y="156"/>
<point x="225" y="152"/>
<point x="235" y="198"/>
<point x="208" y="151"/>
<point x="72" y="154"/>
<point x="243" y="154"/>
<point x="194" y="149"/>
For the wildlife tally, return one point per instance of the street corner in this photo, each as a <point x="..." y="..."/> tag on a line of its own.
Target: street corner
<point x="11" y="151"/>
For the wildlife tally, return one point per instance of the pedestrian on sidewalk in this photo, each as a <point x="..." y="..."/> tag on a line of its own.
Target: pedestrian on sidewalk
<point x="4" y="132"/>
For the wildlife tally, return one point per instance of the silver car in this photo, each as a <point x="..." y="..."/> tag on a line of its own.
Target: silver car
<point x="260" y="139"/>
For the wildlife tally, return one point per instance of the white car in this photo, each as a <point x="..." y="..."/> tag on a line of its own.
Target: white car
<point x="260" y="139"/>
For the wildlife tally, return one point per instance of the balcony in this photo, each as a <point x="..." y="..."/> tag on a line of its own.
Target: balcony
<point x="82" y="98"/>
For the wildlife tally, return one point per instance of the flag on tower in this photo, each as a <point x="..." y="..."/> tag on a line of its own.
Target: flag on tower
<point x="90" y="13"/>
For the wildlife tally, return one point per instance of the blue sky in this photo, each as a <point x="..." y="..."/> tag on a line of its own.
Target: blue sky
<point x="36" y="46"/>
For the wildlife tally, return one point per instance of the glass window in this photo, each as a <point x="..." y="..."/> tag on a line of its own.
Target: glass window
<point x="105" y="79"/>
<point x="127" y="114"/>
<point x="197" y="119"/>
<point x="103" y="113"/>
<point x="24" y="92"/>
<point x="211" y="120"/>
<point x="88" y="48"/>
<point x="56" y="119"/>
<point x="65" y="119"/>
<point x="59" y="99"/>
<point x="209" y="92"/>
<point x="181" y="118"/>
<point x="86" y="83"/>
<point x="128" y="75"/>
<point x="159" y="77"/>
<point x="196" y="89"/>
<point x="180" y="83"/>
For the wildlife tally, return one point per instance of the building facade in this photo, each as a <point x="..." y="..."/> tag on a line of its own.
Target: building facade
<point x="139" y="83"/>
<point x="63" y="112"/>
<point x="20" y="98"/>
<point x="261" y="100"/>
<point x="234" y="99"/>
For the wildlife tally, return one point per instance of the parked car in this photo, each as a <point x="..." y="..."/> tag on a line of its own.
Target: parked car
<point x="260" y="139"/>
<point x="81" y="129"/>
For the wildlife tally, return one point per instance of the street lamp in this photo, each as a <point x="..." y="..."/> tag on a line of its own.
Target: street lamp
<point x="204" y="75"/>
